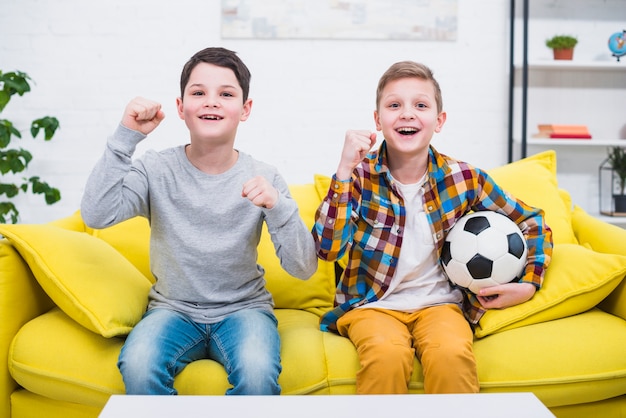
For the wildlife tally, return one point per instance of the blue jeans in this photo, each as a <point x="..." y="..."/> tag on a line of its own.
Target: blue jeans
<point x="246" y="343"/>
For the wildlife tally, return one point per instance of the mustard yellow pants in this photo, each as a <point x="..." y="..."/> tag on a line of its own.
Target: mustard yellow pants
<point x="386" y="342"/>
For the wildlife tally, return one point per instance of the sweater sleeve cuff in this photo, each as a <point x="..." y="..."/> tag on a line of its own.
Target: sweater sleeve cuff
<point x="125" y="140"/>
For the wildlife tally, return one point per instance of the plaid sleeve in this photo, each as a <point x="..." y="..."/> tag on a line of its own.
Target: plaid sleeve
<point x="332" y="229"/>
<point x="484" y="193"/>
<point x="531" y="221"/>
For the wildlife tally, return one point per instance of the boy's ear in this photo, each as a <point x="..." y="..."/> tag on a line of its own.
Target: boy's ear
<point x="377" y="120"/>
<point x="441" y="119"/>
<point x="179" y="107"/>
<point x="245" y="111"/>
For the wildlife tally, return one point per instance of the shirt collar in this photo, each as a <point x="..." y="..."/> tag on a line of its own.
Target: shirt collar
<point x="437" y="165"/>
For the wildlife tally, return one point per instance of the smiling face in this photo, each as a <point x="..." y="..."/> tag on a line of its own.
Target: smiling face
<point x="212" y="104"/>
<point x="408" y="117"/>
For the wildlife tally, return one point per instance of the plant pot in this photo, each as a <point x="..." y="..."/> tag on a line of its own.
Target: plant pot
<point x="563" y="54"/>
<point x="620" y="203"/>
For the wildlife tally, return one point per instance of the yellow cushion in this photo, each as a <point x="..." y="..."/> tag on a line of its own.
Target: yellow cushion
<point x="88" y="279"/>
<point x="322" y="183"/>
<point x="315" y="294"/>
<point x="533" y="180"/>
<point x="54" y="356"/>
<point x="576" y="280"/>
<point x="132" y="239"/>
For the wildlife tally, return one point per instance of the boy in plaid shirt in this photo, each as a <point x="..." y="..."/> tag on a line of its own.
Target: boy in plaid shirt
<point x="390" y="209"/>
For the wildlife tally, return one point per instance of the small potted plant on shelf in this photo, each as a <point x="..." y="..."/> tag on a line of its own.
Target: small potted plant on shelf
<point x="562" y="46"/>
<point x="617" y="160"/>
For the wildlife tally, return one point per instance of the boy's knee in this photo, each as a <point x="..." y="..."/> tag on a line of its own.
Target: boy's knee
<point x="387" y="354"/>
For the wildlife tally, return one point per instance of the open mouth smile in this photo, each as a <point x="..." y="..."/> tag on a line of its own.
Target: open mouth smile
<point x="407" y="131"/>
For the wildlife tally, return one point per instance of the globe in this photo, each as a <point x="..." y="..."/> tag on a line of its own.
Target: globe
<point x="617" y="44"/>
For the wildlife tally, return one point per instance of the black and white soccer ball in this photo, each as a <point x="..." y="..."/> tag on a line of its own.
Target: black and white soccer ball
<point x="484" y="249"/>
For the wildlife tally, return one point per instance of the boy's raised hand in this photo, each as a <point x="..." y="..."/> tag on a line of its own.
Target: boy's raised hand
<point x="260" y="192"/>
<point x="355" y="147"/>
<point x="142" y="115"/>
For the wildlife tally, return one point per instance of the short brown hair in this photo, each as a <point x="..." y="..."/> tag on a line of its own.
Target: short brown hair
<point x="409" y="69"/>
<point x="221" y="57"/>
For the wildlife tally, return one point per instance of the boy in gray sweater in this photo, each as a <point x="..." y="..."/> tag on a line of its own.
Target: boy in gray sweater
<point x="206" y="203"/>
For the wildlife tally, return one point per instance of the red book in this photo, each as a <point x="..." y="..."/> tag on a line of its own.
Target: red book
<point x="570" y="136"/>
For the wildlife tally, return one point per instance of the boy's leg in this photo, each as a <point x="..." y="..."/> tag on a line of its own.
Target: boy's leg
<point x="248" y="345"/>
<point x="157" y="349"/>
<point x="444" y="341"/>
<point x="385" y="350"/>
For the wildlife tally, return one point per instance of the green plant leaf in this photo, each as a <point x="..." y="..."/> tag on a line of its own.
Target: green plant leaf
<point x="9" y="190"/>
<point x="48" y="124"/>
<point x="14" y="160"/>
<point x="15" y="82"/>
<point x="8" y="213"/>
<point x="4" y="99"/>
<point x="51" y="194"/>
<point x="561" y="42"/>
<point x="6" y="130"/>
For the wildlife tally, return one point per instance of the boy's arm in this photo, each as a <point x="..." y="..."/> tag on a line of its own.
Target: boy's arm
<point x="539" y="240"/>
<point x="109" y="197"/>
<point x="332" y="231"/>
<point x="291" y="238"/>
<point x="115" y="192"/>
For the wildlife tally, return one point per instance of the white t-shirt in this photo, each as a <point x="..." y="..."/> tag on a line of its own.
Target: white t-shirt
<point x="419" y="280"/>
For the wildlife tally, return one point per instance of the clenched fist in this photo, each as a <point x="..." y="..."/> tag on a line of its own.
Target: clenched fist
<point x="355" y="147"/>
<point x="260" y="192"/>
<point x="142" y="115"/>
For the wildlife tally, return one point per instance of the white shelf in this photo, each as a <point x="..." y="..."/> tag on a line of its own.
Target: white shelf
<point x="575" y="65"/>
<point x="575" y="142"/>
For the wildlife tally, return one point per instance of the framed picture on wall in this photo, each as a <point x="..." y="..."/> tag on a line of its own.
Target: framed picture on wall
<point x="429" y="20"/>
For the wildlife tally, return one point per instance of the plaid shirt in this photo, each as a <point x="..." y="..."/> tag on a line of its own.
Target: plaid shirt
<point x="366" y="216"/>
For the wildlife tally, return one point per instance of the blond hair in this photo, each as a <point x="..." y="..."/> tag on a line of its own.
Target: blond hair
<point x="409" y="69"/>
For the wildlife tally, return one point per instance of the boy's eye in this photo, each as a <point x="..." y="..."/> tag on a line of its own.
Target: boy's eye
<point x="421" y="105"/>
<point x="394" y="105"/>
<point x="197" y="93"/>
<point x="227" y="94"/>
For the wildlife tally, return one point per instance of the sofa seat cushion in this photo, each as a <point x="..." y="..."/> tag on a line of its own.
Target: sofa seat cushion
<point x="312" y="360"/>
<point x="565" y="361"/>
<point x="55" y="357"/>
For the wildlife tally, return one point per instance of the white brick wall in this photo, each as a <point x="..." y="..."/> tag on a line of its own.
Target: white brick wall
<point x="89" y="58"/>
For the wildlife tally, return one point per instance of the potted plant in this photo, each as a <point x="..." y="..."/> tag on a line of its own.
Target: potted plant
<point x="562" y="46"/>
<point x="617" y="161"/>
<point x="16" y="160"/>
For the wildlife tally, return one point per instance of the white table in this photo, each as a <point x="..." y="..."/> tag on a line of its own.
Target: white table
<point x="509" y="405"/>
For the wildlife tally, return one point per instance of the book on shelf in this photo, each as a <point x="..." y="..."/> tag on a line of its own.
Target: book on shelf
<point x="563" y="131"/>
<point x="569" y="136"/>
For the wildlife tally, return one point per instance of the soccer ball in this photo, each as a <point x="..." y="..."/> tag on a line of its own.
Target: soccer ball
<point x="483" y="249"/>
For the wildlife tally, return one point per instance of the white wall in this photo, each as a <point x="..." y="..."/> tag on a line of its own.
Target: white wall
<point x="87" y="59"/>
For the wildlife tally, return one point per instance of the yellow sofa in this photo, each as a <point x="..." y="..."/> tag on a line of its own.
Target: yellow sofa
<point x="69" y="294"/>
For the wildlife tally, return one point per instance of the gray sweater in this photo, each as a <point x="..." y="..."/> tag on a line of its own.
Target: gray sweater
<point x="204" y="234"/>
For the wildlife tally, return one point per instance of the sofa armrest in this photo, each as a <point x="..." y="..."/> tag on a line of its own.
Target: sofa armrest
<point x="21" y="299"/>
<point x="605" y="238"/>
<point x="597" y="234"/>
